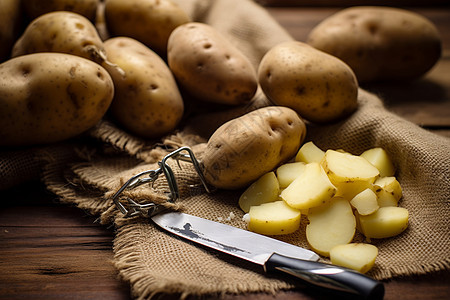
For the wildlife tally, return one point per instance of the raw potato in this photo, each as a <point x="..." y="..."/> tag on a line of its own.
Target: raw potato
<point x="274" y="218"/>
<point x="379" y="43"/>
<point x="312" y="188"/>
<point x="49" y="97"/>
<point x="380" y="159"/>
<point x="357" y="256"/>
<point x="243" y="149"/>
<point x="320" y="87"/>
<point x="385" y="222"/>
<point x="10" y="26"/>
<point x="388" y="191"/>
<point x="289" y="172"/>
<point x="149" y="21"/>
<point x="265" y="189"/>
<point x="147" y="101"/>
<point x="330" y="225"/>
<point x="365" y="202"/>
<point x="63" y="32"/>
<point x="36" y="8"/>
<point x="209" y="67"/>
<point x="309" y="153"/>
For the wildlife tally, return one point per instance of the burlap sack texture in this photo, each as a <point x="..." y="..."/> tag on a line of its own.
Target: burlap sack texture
<point x="153" y="261"/>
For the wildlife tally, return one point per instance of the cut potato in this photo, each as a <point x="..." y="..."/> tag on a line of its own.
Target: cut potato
<point x="344" y="167"/>
<point x="265" y="189"/>
<point x="274" y="218"/>
<point x="349" y="190"/>
<point x="330" y="225"/>
<point x="312" y="188"/>
<point x="288" y="172"/>
<point x="365" y="202"/>
<point x="388" y="191"/>
<point x="385" y="222"/>
<point x="357" y="256"/>
<point x="309" y="153"/>
<point x="380" y="159"/>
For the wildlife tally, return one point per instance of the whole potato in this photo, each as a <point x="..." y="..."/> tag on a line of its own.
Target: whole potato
<point x="147" y="100"/>
<point x="148" y="21"/>
<point x="49" y="97"/>
<point x="10" y="25"/>
<point x="35" y="8"/>
<point x="245" y="148"/>
<point x="209" y="67"/>
<point x="318" y="86"/>
<point x="379" y="43"/>
<point x="63" y="32"/>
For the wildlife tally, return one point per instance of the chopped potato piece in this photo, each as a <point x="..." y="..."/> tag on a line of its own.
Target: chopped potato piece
<point x="309" y="153"/>
<point x="344" y="167"/>
<point x="385" y="222"/>
<point x="265" y="189"/>
<point x="388" y="190"/>
<point x="288" y="172"/>
<point x="357" y="256"/>
<point x="350" y="189"/>
<point x="365" y="202"/>
<point x="380" y="159"/>
<point x="312" y="188"/>
<point x="274" y="218"/>
<point x="330" y="225"/>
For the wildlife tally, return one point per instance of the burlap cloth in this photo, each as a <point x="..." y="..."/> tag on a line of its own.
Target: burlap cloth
<point x="87" y="171"/>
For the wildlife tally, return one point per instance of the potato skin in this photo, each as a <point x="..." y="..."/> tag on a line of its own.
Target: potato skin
<point x="49" y="97"/>
<point x="147" y="100"/>
<point x="245" y="148"/>
<point x="318" y="86"/>
<point x="379" y="43"/>
<point x="148" y="21"/>
<point x="209" y="67"/>
<point x="36" y="8"/>
<point x="63" y="32"/>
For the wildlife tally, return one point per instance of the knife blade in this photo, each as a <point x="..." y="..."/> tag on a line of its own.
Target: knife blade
<point x="273" y="255"/>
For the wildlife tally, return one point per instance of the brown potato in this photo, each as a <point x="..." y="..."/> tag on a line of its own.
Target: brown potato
<point x="36" y="8"/>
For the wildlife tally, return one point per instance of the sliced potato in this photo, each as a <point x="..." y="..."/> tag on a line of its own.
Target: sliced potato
<point x="312" y="188"/>
<point x="350" y="189"/>
<point x="287" y="173"/>
<point x="265" y="189"/>
<point x="357" y="256"/>
<point x="274" y="218"/>
<point x="330" y="225"/>
<point x="309" y="153"/>
<point x="380" y="159"/>
<point x="385" y="222"/>
<point x="365" y="202"/>
<point x="388" y="191"/>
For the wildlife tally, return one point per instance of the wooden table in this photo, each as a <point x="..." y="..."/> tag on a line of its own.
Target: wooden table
<point x="50" y="251"/>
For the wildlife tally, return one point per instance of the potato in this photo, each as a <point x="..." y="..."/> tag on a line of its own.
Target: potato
<point x="49" y="97"/>
<point x="320" y="87"/>
<point x="147" y="101"/>
<point x="357" y="256"/>
<point x="365" y="203"/>
<point x="274" y="218"/>
<point x="309" y="153"/>
<point x="209" y="67"/>
<point x="265" y="189"/>
<point x="350" y="189"/>
<point x="149" y="21"/>
<point x="380" y="159"/>
<point x="312" y="188"/>
<point x="385" y="222"/>
<point x="289" y="172"/>
<point x="388" y="191"/>
<point x="330" y="225"/>
<point x="379" y="43"/>
<point x="245" y="148"/>
<point x="63" y="32"/>
<point x="10" y="26"/>
<point x="36" y="8"/>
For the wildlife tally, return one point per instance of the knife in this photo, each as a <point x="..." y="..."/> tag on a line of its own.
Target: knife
<point x="273" y="255"/>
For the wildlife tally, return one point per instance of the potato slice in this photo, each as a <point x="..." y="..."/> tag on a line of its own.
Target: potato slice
<point x="288" y="172"/>
<point x="357" y="256"/>
<point x="265" y="189"/>
<point x="330" y="225"/>
<point x="350" y="189"/>
<point x="274" y="218"/>
<point x="309" y="153"/>
<point x="385" y="222"/>
<point x="388" y="190"/>
<point x="344" y="167"/>
<point x="312" y="188"/>
<point x="380" y="159"/>
<point x="365" y="202"/>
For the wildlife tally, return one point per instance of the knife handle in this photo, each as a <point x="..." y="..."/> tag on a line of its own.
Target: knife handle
<point x="326" y="276"/>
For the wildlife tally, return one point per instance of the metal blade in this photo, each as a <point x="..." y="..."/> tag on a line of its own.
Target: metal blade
<point x="235" y="241"/>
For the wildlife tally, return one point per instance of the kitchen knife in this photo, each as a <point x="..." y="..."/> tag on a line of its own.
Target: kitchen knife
<point x="273" y="255"/>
